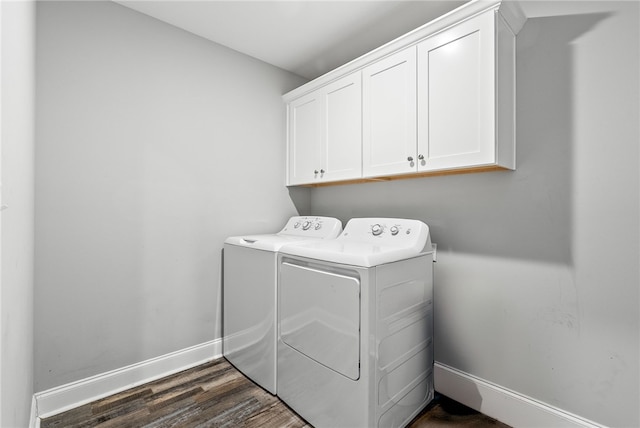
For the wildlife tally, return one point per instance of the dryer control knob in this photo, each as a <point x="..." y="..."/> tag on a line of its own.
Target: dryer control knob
<point x="376" y="229"/>
<point x="318" y="226"/>
<point x="306" y="225"/>
<point x="394" y="230"/>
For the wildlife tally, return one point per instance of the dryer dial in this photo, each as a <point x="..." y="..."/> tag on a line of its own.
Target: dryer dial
<point x="376" y="229"/>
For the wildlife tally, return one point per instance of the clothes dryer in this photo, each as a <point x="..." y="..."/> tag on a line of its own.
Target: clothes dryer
<point x="249" y="310"/>
<point x="356" y="325"/>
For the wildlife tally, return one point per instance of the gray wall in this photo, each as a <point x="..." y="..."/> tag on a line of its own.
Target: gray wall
<point x="16" y="221"/>
<point x="153" y="145"/>
<point x="537" y="274"/>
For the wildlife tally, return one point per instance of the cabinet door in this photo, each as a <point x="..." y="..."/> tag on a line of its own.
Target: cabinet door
<point x="342" y="137"/>
<point x="304" y="139"/>
<point x="389" y="115"/>
<point x="456" y="90"/>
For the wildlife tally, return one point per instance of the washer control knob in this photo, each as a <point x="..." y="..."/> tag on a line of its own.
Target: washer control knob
<point x="297" y="225"/>
<point x="376" y="229"/>
<point x="318" y="226"/>
<point x="306" y="225"/>
<point x="394" y="230"/>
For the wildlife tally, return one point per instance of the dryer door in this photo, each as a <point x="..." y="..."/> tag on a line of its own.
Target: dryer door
<point x="320" y="316"/>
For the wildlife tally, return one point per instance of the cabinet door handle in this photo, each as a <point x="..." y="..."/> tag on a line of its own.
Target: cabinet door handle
<point x="322" y="171"/>
<point x="315" y="171"/>
<point x="410" y="158"/>
<point x="421" y="157"/>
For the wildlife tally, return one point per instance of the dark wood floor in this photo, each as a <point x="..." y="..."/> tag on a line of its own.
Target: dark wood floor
<point x="217" y="395"/>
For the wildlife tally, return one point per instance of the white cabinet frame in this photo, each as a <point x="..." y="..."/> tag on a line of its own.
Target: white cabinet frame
<point x="459" y="118"/>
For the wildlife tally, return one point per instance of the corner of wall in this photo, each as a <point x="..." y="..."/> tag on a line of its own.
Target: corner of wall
<point x="17" y="80"/>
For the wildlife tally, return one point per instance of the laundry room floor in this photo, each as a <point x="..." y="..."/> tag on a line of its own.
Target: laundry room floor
<point x="215" y="394"/>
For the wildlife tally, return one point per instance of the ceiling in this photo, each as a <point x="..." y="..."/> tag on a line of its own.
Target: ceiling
<point x="308" y="38"/>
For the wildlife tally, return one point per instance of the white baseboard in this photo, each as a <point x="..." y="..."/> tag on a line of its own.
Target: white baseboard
<point x="493" y="400"/>
<point x="71" y="395"/>
<point x="502" y="404"/>
<point x="34" y="420"/>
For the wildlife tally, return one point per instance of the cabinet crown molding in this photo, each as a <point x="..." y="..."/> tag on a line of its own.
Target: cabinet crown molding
<point x="510" y="11"/>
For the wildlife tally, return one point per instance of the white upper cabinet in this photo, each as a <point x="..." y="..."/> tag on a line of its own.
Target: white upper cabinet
<point x="325" y="133"/>
<point x="457" y="98"/>
<point x="389" y="115"/>
<point x="439" y="99"/>
<point x="342" y="142"/>
<point x="304" y="149"/>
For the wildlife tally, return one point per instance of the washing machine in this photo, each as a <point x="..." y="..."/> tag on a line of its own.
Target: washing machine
<point x="355" y="347"/>
<point x="249" y="303"/>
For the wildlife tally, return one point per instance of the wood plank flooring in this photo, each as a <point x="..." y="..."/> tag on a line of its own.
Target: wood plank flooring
<point x="217" y="395"/>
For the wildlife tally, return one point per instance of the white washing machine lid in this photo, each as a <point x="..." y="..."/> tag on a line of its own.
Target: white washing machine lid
<point x="297" y="230"/>
<point x="271" y="242"/>
<point x="369" y="242"/>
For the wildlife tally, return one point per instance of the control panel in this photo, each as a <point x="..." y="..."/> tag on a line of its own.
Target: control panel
<point x="378" y="229"/>
<point x="386" y="231"/>
<point x="312" y="226"/>
<point x="393" y="229"/>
